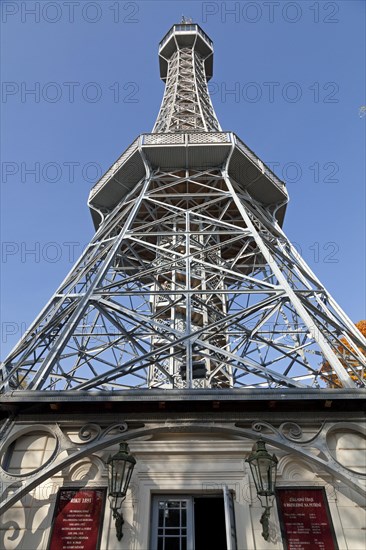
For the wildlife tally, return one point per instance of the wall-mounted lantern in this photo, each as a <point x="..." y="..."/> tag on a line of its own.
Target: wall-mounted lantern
<point x="264" y="468"/>
<point x="120" y="468"/>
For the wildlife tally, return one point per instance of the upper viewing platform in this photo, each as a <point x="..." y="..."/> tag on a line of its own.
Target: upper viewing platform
<point x="187" y="133"/>
<point x="186" y="35"/>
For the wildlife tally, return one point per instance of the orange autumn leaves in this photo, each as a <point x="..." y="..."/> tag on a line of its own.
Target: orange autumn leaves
<point x="347" y="359"/>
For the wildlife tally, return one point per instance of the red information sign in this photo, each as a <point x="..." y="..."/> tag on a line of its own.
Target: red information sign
<point x="77" y="522"/>
<point x="305" y="519"/>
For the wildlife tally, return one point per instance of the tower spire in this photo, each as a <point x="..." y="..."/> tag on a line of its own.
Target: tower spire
<point x="186" y="59"/>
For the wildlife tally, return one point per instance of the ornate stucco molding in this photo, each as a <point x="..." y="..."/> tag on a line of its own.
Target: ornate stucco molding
<point x="92" y="437"/>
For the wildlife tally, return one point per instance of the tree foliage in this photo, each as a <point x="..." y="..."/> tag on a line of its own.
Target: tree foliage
<point x="348" y="360"/>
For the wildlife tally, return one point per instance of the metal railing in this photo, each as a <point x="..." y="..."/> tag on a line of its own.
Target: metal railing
<point x="114" y="168"/>
<point x="260" y="164"/>
<point x="185" y="28"/>
<point x="186" y="138"/>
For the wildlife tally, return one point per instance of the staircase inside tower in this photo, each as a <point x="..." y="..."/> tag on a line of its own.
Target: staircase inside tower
<point x="192" y="246"/>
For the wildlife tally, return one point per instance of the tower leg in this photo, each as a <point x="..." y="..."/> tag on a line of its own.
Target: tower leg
<point x="188" y="283"/>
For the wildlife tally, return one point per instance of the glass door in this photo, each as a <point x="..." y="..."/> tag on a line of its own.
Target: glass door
<point x="193" y="522"/>
<point x="172" y="523"/>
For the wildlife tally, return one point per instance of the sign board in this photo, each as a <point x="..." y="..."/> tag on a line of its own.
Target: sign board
<point x="78" y="519"/>
<point x="305" y="519"/>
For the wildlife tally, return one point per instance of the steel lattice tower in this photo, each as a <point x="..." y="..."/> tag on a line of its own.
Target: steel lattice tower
<point x="189" y="280"/>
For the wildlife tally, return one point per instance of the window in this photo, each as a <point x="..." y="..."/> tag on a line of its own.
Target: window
<point x="193" y="522"/>
<point x="172" y="523"/>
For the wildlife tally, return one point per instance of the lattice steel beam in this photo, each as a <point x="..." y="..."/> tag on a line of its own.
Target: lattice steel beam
<point x="189" y="281"/>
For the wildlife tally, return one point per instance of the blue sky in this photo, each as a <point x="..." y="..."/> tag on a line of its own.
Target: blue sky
<point x="288" y="79"/>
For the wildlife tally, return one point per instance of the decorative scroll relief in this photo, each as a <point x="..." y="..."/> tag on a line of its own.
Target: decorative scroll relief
<point x="348" y="448"/>
<point x="288" y="430"/>
<point x="296" y="469"/>
<point x="288" y="437"/>
<point x="91" y="468"/>
<point x="28" y="451"/>
<point x="326" y="443"/>
<point x="90" y="432"/>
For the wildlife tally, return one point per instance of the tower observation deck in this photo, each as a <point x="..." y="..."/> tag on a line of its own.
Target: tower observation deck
<point x="189" y="281"/>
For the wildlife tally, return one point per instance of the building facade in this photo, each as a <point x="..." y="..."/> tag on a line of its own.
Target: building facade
<point x="189" y="328"/>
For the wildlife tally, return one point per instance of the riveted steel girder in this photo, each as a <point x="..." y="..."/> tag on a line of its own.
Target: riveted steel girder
<point x="189" y="282"/>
